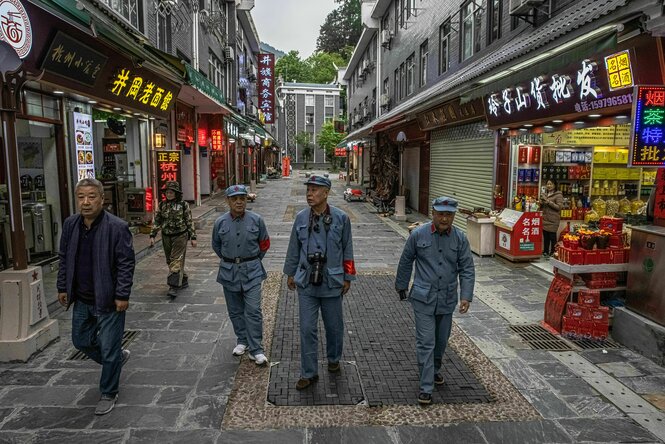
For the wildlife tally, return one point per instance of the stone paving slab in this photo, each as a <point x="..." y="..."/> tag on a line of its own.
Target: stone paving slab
<point x="380" y="341"/>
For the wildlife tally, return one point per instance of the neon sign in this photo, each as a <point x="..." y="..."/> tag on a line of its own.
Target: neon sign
<point x="648" y="135"/>
<point x="168" y="168"/>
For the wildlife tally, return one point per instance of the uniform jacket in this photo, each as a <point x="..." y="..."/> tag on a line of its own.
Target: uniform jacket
<point x="339" y="266"/>
<point x="243" y="237"/>
<point x="441" y="261"/>
<point x="174" y="217"/>
<point x="113" y="260"/>
<point x="552" y="211"/>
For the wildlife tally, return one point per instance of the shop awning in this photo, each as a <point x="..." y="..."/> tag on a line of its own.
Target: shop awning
<point x="198" y="81"/>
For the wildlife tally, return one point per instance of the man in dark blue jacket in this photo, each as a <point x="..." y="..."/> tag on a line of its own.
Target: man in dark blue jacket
<point x="96" y="274"/>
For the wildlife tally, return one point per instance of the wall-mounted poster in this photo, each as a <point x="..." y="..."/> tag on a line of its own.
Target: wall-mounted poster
<point x="85" y="160"/>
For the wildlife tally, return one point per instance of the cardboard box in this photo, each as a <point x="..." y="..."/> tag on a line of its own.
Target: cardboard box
<point x="577" y="311"/>
<point x="600" y="314"/>
<point x="588" y="298"/>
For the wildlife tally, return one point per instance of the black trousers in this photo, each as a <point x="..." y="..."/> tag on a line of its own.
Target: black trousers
<point x="549" y="242"/>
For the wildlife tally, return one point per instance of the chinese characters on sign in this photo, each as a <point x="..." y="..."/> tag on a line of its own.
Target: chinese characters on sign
<point x="619" y="72"/>
<point x="15" y="27"/>
<point x="85" y="161"/>
<point x="168" y="168"/>
<point x="648" y="144"/>
<point x="216" y="136"/>
<point x="135" y="88"/>
<point x="340" y="152"/>
<point x="69" y="58"/>
<point x="266" y="86"/>
<point x="231" y="128"/>
<point x="582" y="88"/>
<point x="659" y="203"/>
<point x="450" y="113"/>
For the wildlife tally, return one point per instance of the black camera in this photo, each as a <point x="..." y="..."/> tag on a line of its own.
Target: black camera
<point x="317" y="260"/>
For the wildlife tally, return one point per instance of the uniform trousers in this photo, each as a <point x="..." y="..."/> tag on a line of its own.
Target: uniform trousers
<point x="175" y="248"/>
<point x="244" y="307"/>
<point x="432" y="333"/>
<point x="99" y="337"/>
<point x="333" y="321"/>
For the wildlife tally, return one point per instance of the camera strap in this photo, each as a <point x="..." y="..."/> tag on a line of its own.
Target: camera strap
<point x="327" y="221"/>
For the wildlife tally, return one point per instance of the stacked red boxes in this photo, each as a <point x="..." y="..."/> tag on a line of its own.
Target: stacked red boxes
<point x="613" y="224"/>
<point x="586" y="318"/>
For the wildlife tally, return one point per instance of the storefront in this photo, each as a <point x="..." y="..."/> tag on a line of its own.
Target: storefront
<point x="91" y="114"/>
<point x="462" y="155"/>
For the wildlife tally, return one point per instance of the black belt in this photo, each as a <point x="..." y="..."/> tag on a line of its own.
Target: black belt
<point x="239" y="260"/>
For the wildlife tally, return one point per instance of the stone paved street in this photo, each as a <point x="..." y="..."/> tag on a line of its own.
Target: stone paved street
<point x="183" y="385"/>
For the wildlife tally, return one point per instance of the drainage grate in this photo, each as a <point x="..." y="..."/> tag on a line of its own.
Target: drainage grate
<point x="127" y="337"/>
<point x="538" y="338"/>
<point x="594" y="344"/>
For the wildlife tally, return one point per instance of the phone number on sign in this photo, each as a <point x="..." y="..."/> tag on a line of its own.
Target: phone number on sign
<point x="606" y="102"/>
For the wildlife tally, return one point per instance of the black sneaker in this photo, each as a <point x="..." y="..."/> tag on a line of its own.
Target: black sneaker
<point x="334" y="367"/>
<point x="173" y="292"/>
<point x="425" y="398"/>
<point x="173" y="279"/>
<point x="438" y="379"/>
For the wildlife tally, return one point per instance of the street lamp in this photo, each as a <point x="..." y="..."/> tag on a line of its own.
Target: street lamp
<point x="14" y="77"/>
<point x="400" y="200"/>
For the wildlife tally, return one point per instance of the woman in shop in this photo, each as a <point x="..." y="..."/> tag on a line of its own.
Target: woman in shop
<point x="551" y="203"/>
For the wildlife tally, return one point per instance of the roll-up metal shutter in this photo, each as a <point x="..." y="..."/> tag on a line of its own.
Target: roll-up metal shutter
<point x="462" y="166"/>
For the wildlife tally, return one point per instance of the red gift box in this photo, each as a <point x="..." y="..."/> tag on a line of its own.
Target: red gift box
<point x="604" y="257"/>
<point x="590" y="257"/>
<point x="585" y="328"/>
<point x="613" y="224"/>
<point x="600" y="314"/>
<point x="577" y="311"/>
<point x="576" y="257"/>
<point x="617" y="256"/>
<point x="599" y="330"/>
<point x="523" y="154"/>
<point x="601" y="283"/>
<point x="534" y="154"/>
<point x="569" y="325"/>
<point x="615" y="241"/>
<point x="588" y="298"/>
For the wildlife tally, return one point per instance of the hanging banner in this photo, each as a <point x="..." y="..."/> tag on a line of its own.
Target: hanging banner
<point x="266" y="86"/>
<point x="648" y="135"/>
<point x="659" y="203"/>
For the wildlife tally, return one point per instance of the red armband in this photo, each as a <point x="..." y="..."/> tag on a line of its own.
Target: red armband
<point x="264" y="245"/>
<point x="349" y="267"/>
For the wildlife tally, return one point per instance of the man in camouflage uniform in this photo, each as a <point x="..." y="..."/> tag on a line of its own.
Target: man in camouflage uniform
<point x="174" y="218"/>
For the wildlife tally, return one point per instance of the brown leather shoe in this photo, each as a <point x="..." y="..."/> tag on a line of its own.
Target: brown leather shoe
<point x="334" y="367"/>
<point x="303" y="383"/>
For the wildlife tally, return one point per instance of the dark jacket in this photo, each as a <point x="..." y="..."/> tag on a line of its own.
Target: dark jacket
<point x="113" y="260"/>
<point x="552" y="211"/>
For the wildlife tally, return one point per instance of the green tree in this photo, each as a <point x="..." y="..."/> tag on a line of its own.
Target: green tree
<point x="292" y="68"/>
<point x="321" y="67"/>
<point x="304" y="140"/>
<point x="341" y="28"/>
<point x="328" y="139"/>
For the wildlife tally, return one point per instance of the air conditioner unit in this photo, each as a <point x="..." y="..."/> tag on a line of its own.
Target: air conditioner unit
<point x="520" y="7"/>
<point x="229" y="53"/>
<point x="384" y="100"/>
<point x="386" y="37"/>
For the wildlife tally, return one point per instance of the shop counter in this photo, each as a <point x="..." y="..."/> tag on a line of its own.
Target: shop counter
<point x="519" y="236"/>
<point x="480" y="232"/>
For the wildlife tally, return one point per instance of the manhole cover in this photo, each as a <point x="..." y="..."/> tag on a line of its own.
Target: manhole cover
<point x="127" y="337"/>
<point x="538" y="338"/>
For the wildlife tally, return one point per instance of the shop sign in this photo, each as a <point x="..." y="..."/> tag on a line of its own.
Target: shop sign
<point x="340" y="152"/>
<point x="266" y="86"/>
<point x="148" y="199"/>
<point x="168" y="167"/>
<point x="141" y="91"/>
<point x="203" y="137"/>
<point x="648" y="144"/>
<point x="15" y="27"/>
<point x="527" y="246"/>
<point x="72" y="59"/>
<point x="659" y="203"/>
<point x="615" y="135"/>
<point x="451" y="113"/>
<point x="619" y="71"/>
<point x="581" y="88"/>
<point x="216" y="136"/>
<point x="136" y="202"/>
<point x="83" y="141"/>
<point x="181" y="134"/>
<point x="231" y="128"/>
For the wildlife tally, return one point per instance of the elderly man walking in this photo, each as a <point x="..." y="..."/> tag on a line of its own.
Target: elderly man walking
<point x="240" y="239"/>
<point x="96" y="275"/>
<point x="319" y="262"/>
<point x="442" y="256"/>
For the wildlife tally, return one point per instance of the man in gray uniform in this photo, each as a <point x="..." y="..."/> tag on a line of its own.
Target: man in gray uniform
<point x="319" y="262"/>
<point x="442" y="254"/>
<point x="241" y="240"/>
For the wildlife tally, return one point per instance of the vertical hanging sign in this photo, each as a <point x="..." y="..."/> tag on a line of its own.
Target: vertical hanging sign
<point x="168" y="168"/>
<point x="85" y="161"/>
<point x="648" y="135"/>
<point x="267" y="86"/>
